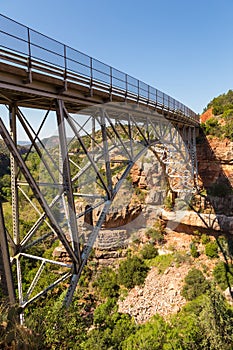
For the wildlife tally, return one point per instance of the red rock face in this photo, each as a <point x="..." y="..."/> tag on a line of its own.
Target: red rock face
<point x="215" y="161"/>
<point x="206" y="115"/>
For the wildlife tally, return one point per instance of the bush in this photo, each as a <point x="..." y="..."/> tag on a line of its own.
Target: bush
<point x="106" y="283"/>
<point x="212" y="127"/>
<point x="132" y="272"/>
<point x="156" y="232"/>
<point x="228" y="130"/>
<point x="223" y="274"/>
<point x="168" y="203"/>
<point x="162" y="262"/>
<point x="205" y="239"/>
<point x="149" y="251"/>
<point x="193" y="250"/>
<point x="211" y="250"/>
<point x="195" y="284"/>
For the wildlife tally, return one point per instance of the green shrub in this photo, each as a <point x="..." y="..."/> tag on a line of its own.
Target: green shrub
<point x="106" y="283"/>
<point x="228" y="129"/>
<point x="162" y="262"/>
<point x="205" y="239"/>
<point x="212" y="127"/>
<point x="168" y="203"/>
<point x="195" y="284"/>
<point x="149" y="251"/>
<point x="223" y="274"/>
<point x="156" y="232"/>
<point x="193" y="250"/>
<point x="132" y="272"/>
<point x="181" y="257"/>
<point x="228" y="113"/>
<point x="155" y="235"/>
<point x="211" y="250"/>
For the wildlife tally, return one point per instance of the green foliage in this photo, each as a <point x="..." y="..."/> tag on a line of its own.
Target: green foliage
<point x="5" y="187"/>
<point x="112" y="328"/>
<point x="106" y="283"/>
<point x="223" y="274"/>
<point x="228" y="113"/>
<point x="103" y="313"/>
<point x="180" y="258"/>
<point x="162" y="262"/>
<point x="193" y="250"/>
<point x="141" y="194"/>
<point x="221" y="103"/>
<point x="226" y="245"/>
<point x="228" y="129"/>
<point x="156" y="233"/>
<point x="150" y="336"/>
<point x="205" y="239"/>
<point x="212" y="127"/>
<point x="12" y="334"/>
<point x="203" y="323"/>
<point x="132" y="272"/>
<point x="195" y="284"/>
<point x="60" y="327"/>
<point x="211" y="250"/>
<point x="149" y="251"/>
<point x="168" y="203"/>
<point x="216" y="323"/>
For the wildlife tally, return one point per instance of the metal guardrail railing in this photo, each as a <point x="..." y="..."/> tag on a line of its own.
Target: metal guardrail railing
<point x="41" y="53"/>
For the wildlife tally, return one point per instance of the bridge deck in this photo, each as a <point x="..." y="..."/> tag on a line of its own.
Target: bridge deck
<point x="45" y="70"/>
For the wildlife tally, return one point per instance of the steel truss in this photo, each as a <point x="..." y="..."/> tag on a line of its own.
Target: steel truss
<point x="79" y="179"/>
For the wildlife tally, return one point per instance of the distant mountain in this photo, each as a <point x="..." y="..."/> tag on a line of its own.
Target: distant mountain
<point x="23" y="143"/>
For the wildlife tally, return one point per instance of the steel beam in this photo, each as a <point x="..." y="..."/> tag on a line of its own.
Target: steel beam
<point x="6" y="276"/>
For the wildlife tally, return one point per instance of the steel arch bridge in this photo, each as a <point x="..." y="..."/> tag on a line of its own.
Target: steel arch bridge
<point x="105" y="121"/>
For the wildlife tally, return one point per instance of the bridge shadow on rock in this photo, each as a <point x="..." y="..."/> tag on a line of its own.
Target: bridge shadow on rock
<point x="215" y="165"/>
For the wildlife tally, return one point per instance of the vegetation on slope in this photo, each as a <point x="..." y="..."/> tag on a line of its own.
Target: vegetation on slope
<point x="221" y="124"/>
<point x="93" y="320"/>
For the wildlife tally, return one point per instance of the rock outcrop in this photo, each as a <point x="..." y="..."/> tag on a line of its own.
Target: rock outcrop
<point x="160" y="294"/>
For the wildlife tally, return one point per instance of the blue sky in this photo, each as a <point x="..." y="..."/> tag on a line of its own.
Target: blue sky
<point x="182" y="47"/>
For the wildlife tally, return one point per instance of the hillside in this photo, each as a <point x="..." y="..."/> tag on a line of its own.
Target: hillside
<point x="166" y="281"/>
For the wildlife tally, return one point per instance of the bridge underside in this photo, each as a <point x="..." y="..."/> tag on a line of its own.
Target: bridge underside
<point x="79" y="179"/>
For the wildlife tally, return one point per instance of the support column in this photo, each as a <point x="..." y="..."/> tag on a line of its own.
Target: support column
<point x="15" y="198"/>
<point x="67" y="183"/>
<point x="106" y="153"/>
<point x="8" y="289"/>
<point x="93" y="134"/>
<point x="14" y="188"/>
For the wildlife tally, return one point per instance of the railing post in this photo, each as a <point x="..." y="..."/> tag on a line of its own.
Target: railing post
<point x="110" y="89"/>
<point x="29" y="60"/>
<point x="65" y="68"/>
<point x="91" y="75"/>
<point x="138" y="91"/>
<point x="126" y="85"/>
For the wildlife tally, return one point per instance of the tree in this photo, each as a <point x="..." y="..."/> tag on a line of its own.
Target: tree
<point x="216" y="322"/>
<point x="150" y="336"/>
<point x="223" y="274"/>
<point x="111" y="328"/>
<point x="106" y="283"/>
<point x="211" y="250"/>
<point x="149" y="251"/>
<point x="132" y="272"/>
<point x="195" y="284"/>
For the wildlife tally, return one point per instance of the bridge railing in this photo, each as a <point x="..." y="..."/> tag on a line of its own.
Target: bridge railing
<point x="42" y="53"/>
